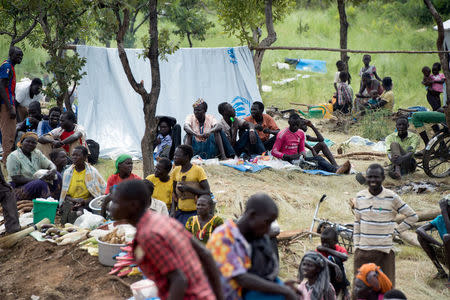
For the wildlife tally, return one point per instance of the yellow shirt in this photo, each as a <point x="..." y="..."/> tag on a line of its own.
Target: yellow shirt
<point x="163" y="190"/>
<point x="194" y="176"/>
<point x="388" y="96"/>
<point x="77" y="187"/>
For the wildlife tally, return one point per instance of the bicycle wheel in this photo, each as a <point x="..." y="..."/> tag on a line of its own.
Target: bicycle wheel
<point x="345" y="237"/>
<point x="436" y="159"/>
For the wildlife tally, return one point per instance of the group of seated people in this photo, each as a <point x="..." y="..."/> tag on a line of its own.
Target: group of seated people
<point x="374" y="93"/>
<point x="247" y="137"/>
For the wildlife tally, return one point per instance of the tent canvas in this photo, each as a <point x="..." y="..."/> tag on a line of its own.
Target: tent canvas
<point x="111" y="111"/>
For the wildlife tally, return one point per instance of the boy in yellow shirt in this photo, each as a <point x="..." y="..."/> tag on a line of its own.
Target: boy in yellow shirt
<point x="162" y="182"/>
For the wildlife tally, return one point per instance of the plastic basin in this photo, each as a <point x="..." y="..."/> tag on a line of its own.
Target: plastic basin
<point x="107" y="251"/>
<point x="44" y="209"/>
<point x="95" y="205"/>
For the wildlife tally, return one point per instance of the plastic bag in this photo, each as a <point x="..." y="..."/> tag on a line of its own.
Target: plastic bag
<point x="88" y="220"/>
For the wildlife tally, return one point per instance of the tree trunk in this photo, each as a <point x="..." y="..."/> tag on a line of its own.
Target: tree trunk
<point x="266" y="42"/>
<point x="189" y="39"/>
<point x="343" y="30"/>
<point x="443" y="57"/>
<point x="151" y="102"/>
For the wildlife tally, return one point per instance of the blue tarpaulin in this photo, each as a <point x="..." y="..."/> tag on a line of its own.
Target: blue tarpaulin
<point x="310" y="65"/>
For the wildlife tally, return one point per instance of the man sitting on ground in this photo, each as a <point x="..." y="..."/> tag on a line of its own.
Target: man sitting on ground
<point x="45" y="126"/>
<point x="31" y="122"/>
<point x="321" y="146"/>
<point x="290" y="146"/>
<point x="230" y="247"/>
<point x="264" y="124"/>
<point x="68" y="136"/>
<point x="401" y="146"/>
<point x="438" y="252"/>
<point x="248" y="143"/>
<point x="203" y="132"/>
<point x="164" y="250"/>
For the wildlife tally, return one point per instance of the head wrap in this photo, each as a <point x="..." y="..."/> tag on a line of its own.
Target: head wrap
<point x="120" y="160"/>
<point x="322" y="284"/>
<point x="385" y="283"/>
<point x="199" y="102"/>
<point x="25" y="135"/>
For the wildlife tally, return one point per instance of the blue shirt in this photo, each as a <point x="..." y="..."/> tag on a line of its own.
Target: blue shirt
<point x="44" y="127"/>
<point x="7" y="72"/>
<point x="439" y="224"/>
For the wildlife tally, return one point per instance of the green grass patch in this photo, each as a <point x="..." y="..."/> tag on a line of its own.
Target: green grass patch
<point x="372" y="28"/>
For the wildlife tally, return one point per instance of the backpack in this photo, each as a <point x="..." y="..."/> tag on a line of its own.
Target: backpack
<point x="94" y="151"/>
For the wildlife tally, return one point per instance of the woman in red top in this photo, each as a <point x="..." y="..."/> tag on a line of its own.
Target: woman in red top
<point x="124" y="169"/>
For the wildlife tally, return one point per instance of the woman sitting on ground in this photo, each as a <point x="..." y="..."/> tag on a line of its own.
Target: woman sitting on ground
<point x="203" y="224"/>
<point x="124" y="169"/>
<point x="23" y="165"/>
<point x="81" y="183"/>
<point x="371" y="283"/>
<point x="189" y="182"/>
<point x="59" y="158"/>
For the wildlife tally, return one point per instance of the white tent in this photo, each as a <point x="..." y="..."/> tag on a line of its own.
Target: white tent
<point x="111" y="111"/>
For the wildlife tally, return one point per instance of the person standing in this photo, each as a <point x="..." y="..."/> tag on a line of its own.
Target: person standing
<point x="7" y="100"/>
<point x="375" y="211"/>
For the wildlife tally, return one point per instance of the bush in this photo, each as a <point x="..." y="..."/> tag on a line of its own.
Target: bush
<point x="376" y="125"/>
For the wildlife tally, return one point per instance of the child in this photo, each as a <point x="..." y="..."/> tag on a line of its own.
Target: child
<point x="371" y="282"/>
<point x="317" y="286"/>
<point x="162" y="182"/>
<point x="163" y="140"/>
<point x="368" y="68"/>
<point x="336" y="256"/>
<point x="344" y="94"/>
<point x="437" y="86"/>
<point x="427" y="81"/>
<point x="340" y="65"/>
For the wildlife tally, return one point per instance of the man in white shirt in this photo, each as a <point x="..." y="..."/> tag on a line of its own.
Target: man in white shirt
<point x="27" y="91"/>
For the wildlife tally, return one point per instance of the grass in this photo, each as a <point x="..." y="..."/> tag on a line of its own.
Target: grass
<point x="369" y="29"/>
<point x="296" y="193"/>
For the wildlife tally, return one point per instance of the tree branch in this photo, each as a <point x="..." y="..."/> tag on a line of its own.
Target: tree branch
<point x="25" y="33"/>
<point x="271" y="34"/>
<point x="140" y="24"/>
<point x="6" y="33"/>
<point x="123" y="27"/>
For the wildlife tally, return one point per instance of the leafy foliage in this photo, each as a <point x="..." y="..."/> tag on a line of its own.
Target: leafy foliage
<point x="18" y="19"/>
<point x="62" y="22"/>
<point x="242" y="17"/>
<point x="189" y="18"/>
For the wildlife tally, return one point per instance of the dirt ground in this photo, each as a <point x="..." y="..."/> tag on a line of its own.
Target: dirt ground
<point x="56" y="272"/>
<point x="66" y="272"/>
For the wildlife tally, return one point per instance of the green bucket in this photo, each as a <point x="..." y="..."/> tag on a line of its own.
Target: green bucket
<point x="44" y="209"/>
<point x="317" y="112"/>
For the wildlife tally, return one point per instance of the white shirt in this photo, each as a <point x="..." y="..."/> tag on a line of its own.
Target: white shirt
<point x="23" y="93"/>
<point x="159" y="207"/>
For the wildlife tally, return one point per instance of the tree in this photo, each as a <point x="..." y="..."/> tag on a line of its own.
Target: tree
<point x="152" y="52"/>
<point x="244" y="19"/>
<point x="443" y="57"/>
<point x="18" y="18"/>
<point x="343" y="29"/>
<point x="61" y="22"/>
<point x="189" y="18"/>
<point x="106" y="17"/>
